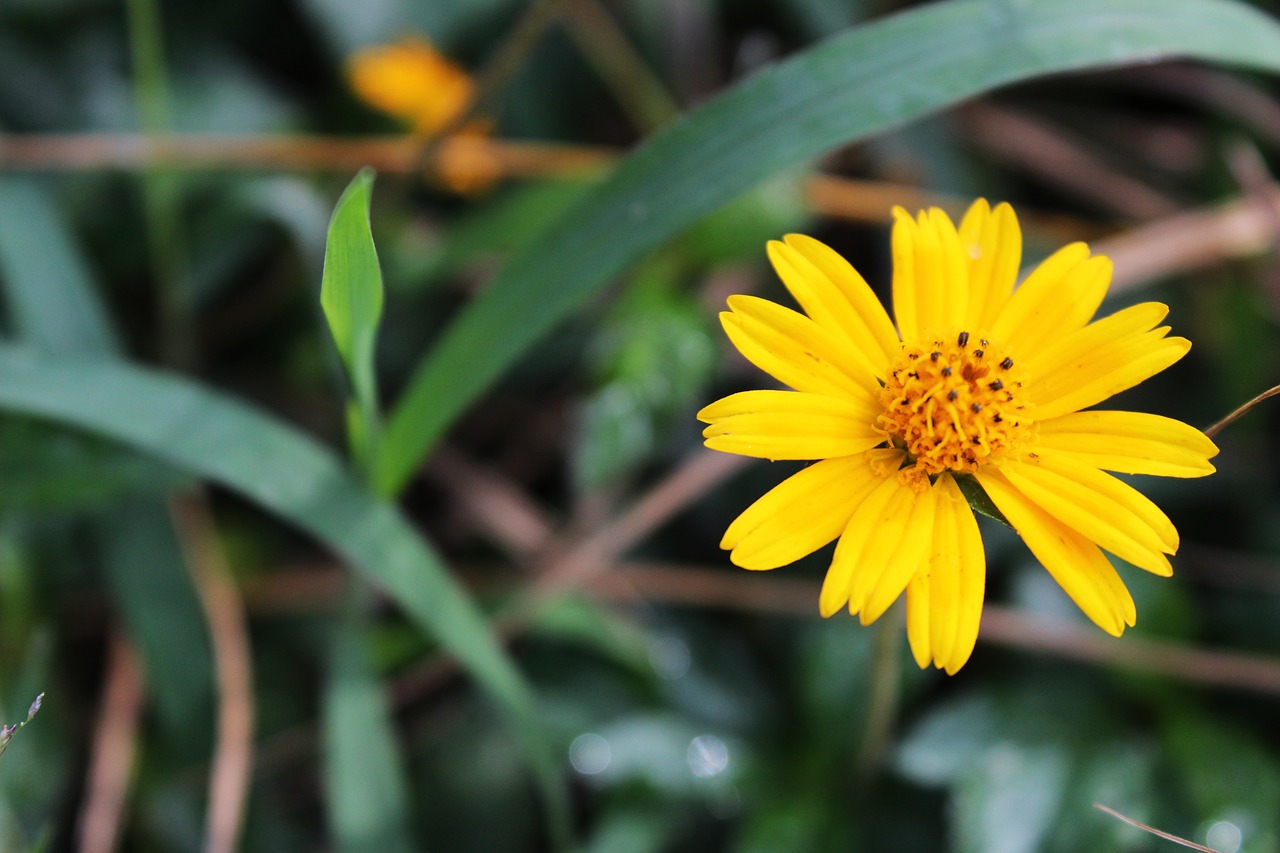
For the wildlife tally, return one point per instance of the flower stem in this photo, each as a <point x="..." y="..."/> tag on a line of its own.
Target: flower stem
<point x="883" y="695"/>
<point x="161" y="191"/>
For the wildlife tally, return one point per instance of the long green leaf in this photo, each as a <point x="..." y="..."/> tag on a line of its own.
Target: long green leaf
<point x="293" y="477"/>
<point x="849" y="87"/>
<point x="368" y="797"/>
<point x="48" y="286"/>
<point x="52" y="296"/>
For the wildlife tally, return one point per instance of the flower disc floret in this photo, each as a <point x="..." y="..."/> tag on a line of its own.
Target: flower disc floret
<point x="954" y="404"/>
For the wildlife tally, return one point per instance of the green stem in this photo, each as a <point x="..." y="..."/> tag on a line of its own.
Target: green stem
<point x="883" y="695"/>
<point x="161" y="192"/>
<point x="640" y="92"/>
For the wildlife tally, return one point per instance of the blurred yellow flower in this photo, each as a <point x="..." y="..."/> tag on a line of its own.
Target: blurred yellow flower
<point x="979" y="381"/>
<point x="411" y="81"/>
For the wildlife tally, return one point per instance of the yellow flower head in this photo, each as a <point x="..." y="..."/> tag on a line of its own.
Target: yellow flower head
<point x="414" y="83"/>
<point x="411" y="81"/>
<point x="978" y="381"/>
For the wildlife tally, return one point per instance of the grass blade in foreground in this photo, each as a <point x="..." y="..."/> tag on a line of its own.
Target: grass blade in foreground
<point x="364" y="774"/>
<point x="844" y="89"/>
<point x="292" y="476"/>
<point x="368" y="799"/>
<point x="53" y="298"/>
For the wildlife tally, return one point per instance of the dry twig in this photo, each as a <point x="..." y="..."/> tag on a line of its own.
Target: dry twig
<point x="115" y="744"/>
<point x="228" y="629"/>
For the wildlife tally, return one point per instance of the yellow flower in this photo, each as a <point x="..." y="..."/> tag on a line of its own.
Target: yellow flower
<point x="979" y="381"/>
<point x="411" y="81"/>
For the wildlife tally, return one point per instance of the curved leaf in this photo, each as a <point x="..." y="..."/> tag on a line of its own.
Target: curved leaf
<point x="844" y="89"/>
<point x="292" y="476"/>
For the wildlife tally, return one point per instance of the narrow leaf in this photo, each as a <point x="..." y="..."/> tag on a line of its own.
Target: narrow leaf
<point x="368" y="803"/>
<point x="351" y="296"/>
<point x="47" y="283"/>
<point x="847" y="88"/>
<point x="53" y="297"/>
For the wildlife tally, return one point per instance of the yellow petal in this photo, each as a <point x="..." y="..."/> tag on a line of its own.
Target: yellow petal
<point x="918" y="619"/>
<point x="860" y="528"/>
<point x="1059" y="297"/>
<point x="795" y="350"/>
<point x="930" y="273"/>
<point x="944" y="598"/>
<point x="789" y="425"/>
<point x="1128" y="442"/>
<point x="799" y="515"/>
<point x="836" y="297"/>
<point x="959" y="571"/>
<point x="1101" y="360"/>
<point x="1077" y="564"/>
<point x="1101" y="508"/>
<point x="901" y="562"/>
<point x="992" y="242"/>
<point x="883" y="544"/>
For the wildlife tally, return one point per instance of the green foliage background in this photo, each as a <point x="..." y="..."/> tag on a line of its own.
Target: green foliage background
<point x="441" y="457"/>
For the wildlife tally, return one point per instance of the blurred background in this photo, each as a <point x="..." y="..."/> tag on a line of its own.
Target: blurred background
<point x="691" y="705"/>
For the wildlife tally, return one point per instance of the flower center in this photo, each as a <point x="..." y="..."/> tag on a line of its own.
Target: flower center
<point x="953" y="404"/>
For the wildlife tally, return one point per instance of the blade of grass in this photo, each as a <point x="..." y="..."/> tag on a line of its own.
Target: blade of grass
<point x="161" y="191"/>
<point x="53" y="298"/>
<point x="864" y="81"/>
<point x="368" y="791"/>
<point x="48" y="287"/>
<point x="292" y="476"/>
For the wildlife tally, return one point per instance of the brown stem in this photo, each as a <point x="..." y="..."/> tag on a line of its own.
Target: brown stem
<point x="224" y="611"/>
<point x="115" y="744"/>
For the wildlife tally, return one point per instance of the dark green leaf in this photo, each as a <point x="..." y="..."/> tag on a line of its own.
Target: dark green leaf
<point x="47" y="283"/>
<point x="979" y="501"/>
<point x="367" y="790"/>
<point x="849" y="87"/>
<point x="293" y="477"/>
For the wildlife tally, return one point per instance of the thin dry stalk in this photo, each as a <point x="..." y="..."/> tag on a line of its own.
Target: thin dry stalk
<point x="1051" y="156"/>
<point x="496" y="504"/>
<point x="1241" y="412"/>
<point x="228" y="629"/>
<point x="1197" y="239"/>
<point x="1004" y="626"/>
<point x="115" y="745"/>
<point x="728" y="588"/>
<point x="1007" y="627"/>
<point x="638" y="90"/>
<point x="1167" y="836"/>
<point x="593" y="555"/>
<point x="391" y="154"/>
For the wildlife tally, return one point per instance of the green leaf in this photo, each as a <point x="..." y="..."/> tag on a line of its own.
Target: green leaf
<point x="47" y="284"/>
<point x="367" y="789"/>
<point x="46" y="467"/>
<point x="53" y="297"/>
<point x="351" y="296"/>
<point x="979" y="501"/>
<point x="866" y="80"/>
<point x="147" y="575"/>
<point x="293" y="477"/>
